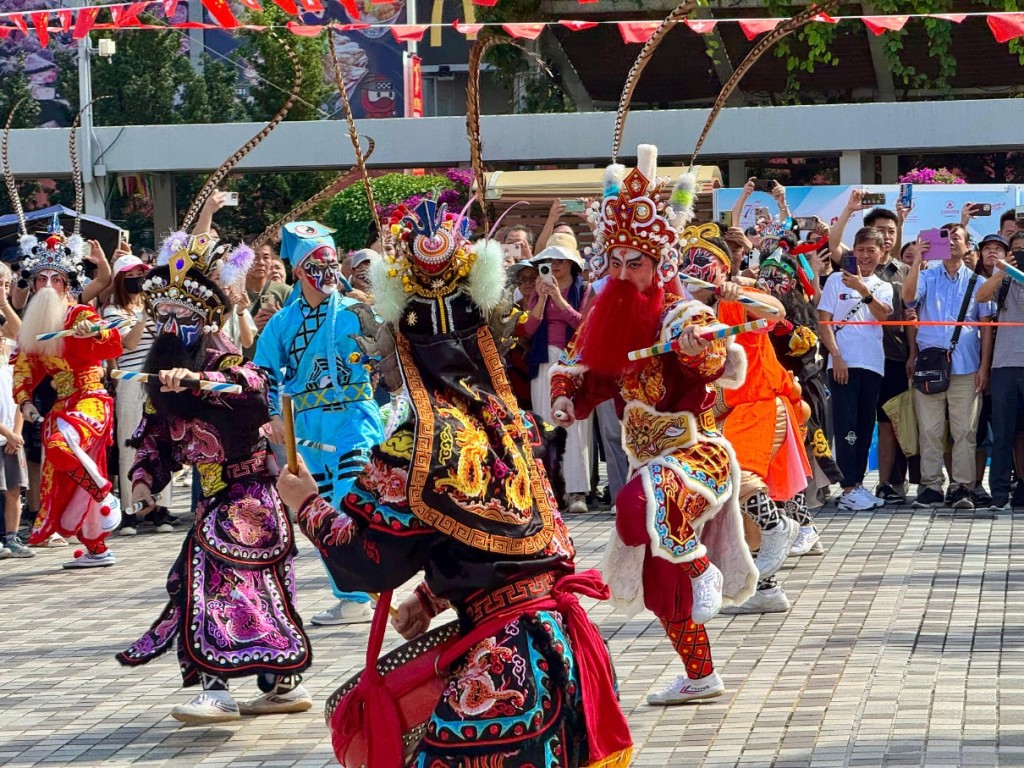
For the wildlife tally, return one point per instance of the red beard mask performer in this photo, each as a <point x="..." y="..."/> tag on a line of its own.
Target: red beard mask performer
<point x="678" y="546"/>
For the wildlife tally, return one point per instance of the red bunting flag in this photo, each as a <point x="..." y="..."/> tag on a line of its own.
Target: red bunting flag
<point x="702" y="26"/>
<point x="19" y="22"/>
<point x="170" y="8"/>
<point x="64" y="14"/>
<point x="312" y="6"/>
<point x="577" y="26"/>
<point x="351" y="9"/>
<point x="486" y="3"/>
<point x="408" y="33"/>
<point x="956" y="18"/>
<point x="39" y="20"/>
<point x="585" y="2"/>
<point x="351" y="27"/>
<point x="305" y="30"/>
<point x="882" y="24"/>
<point x="5" y="31"/>
<point x="128" y="16"/>
<point x="1006" y="26"/>
<point x="221" y="13"/>
<point x="288" y="6"/>
<point x="524" y="31"/>
<point x="84" y="22"/>
<point x="755" y="27"/>
<point x="467" y="29"/>
<point x="637" y="31"/>
<point x="824" y="18"/>
<point x="252" y="5"/>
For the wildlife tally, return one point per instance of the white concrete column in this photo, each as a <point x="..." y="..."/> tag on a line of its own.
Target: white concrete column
<point x="165" y="216"/>
<point x="737" y="172"/>
<point x="890" y="169"/>
<point x="856" y="167"/>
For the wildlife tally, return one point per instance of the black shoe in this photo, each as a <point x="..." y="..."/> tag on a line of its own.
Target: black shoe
<point x="1017" y="500"/>
<point x="961" y="498"/>
<point x="1000" y="504"/>
<point x="890" y="495"/>
<point x="980" y="497"/>
<point x="162" y="520"/>
<point x="129" y="524"/>
<point x="929" y="498"/>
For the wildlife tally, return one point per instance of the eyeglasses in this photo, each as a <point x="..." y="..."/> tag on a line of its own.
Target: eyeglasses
<point x="527" y="281"/>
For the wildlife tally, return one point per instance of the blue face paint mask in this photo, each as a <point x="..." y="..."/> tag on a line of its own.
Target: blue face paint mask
<point x="187" y="329"/>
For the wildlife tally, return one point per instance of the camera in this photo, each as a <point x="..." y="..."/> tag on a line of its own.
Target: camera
<point x="544" y="269"/>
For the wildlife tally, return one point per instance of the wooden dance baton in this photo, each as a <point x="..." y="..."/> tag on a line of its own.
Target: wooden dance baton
<point x="717" y="333"/>
<point x="695" y="282"/>
<point x="207" y="386"/>
<point x="289" y="434"/>
<point x="105" y="325"/>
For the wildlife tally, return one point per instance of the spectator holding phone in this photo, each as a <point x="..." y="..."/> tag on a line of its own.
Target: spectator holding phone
<point x="856" y="359"/>
<point x="519" y="245"/>
<point x="754" y="184"/>
<point x="944" y="295"/>
<point x="266" y="297"/>
<point x="1007" y="382"/>
<point x="554" y="316"/>
<point x="896" y="342"/>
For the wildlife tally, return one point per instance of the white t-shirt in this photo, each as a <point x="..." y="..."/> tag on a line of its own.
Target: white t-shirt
<point x="8" y="409"/>
<point x="860" y="345"/>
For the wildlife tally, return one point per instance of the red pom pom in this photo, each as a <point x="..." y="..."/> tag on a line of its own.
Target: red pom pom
<point x="105" y="511"/>
<point x="79" y="553"/>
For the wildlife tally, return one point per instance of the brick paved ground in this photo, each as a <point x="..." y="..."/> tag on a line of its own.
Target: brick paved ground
<point x="903" y="647"/>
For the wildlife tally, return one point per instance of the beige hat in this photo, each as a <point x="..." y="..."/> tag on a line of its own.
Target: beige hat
<point x="560" y="245"/>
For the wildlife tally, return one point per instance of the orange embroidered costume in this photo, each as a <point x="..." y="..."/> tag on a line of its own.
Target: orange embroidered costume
<point x="678" y="513"/>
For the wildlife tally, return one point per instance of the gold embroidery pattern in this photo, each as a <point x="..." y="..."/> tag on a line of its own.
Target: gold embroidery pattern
<point x="211" y="478"/>
<point x="650" y="434"/>
<point x="444" y="452"/>
<point x="399" y="444"/>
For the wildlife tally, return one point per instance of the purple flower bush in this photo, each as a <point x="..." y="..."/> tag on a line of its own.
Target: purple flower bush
<point x="932" y="176"/>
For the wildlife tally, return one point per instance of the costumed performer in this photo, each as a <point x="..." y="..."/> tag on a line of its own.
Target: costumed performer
<point x="315" y="350"/>
<point x="458" y="493"/>
<point x="760" y="416"/>
<point x="231" y="608"/>
<point x="677" y="547"/>
<point x="75" y="492"/>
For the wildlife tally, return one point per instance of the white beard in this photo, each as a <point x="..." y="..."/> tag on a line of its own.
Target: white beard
<point x="45" y="313"/>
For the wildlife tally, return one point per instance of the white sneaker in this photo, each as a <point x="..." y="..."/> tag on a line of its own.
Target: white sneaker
<point x="707" y="595"/>
<point x="683" y="690"/>
<point x="5" y="553"/>
<point x="775" y="546"/>
<point x="18" y="548"/>
<point x="208" y="707"/>
<point x="344" y="612"/>
<point x="877" y="501"/>
<point x="89" y="560"/>
<point x="805" y="540"/>
<point x="577" y="504"/>
<point x="854" y="501"/>
<point x="295" y="700"/>
<point x="816" y="549"/>
<point x="772" y="600"/>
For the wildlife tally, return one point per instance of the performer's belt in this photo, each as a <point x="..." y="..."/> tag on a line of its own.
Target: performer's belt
<point x="481" y="606"/>
<point x="213" y="477"/>
<point x="649" y="434"/>
<point x="324" y="398"/>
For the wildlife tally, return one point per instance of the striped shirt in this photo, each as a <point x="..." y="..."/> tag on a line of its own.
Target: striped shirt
<point x="132" y="359"/>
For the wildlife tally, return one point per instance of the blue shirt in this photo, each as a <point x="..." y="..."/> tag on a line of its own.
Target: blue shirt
<point x="939" y="298"/>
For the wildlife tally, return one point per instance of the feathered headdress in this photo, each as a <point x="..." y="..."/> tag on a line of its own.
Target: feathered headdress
<point x="183" y="278"/>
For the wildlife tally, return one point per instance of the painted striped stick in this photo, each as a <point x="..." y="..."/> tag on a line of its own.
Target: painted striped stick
<point x="209" y="386"/>
<point x="718" y="333"/>
<point x="316" y="446"/>
<point x="1013" y="272"/>
<point x="694" y="282"/>
<point x="105" y="325"/>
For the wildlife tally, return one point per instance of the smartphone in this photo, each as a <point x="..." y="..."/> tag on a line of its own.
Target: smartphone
<point x="126" y="237"/>
<point x="873" y="198"/>
<point x="849" y="263"/>
<point x="231" y="199"/>
<point x="725" y="218"/>
<point x="938" y="242"/>
<point x="86" y="250"/>
<point x="806" y="223"/>
<point x="269" y="302"/>
<point x="764" y="185"/>
<point x="544" y="269"/>
<point x="513" y="251"/>
<point x="762" y="213"/>
<point x="981" y="209"/>
<point x="572" y="205"/>
<point x="906" y="195"/>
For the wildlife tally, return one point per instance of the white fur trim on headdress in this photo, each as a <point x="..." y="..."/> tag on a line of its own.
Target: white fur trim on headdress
<point x="237" y="265"/>
<point x="613" y="176"/>
<point x="683" y="199"/>
<point x="27" y="243"/>
<point x="175" y="242"/>
<point x="647" y="164"/>
<point x="75" y="244"/>
<point x="389" y="295"/>
<point x="487" y="275"/>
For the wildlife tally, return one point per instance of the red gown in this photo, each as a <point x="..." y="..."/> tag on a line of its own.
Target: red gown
<point x="76" y="432"/>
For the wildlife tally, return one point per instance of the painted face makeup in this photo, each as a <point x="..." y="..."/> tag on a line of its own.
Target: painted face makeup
<point x="775" y="278"/>
<point x="322" y="269"/>
<point x="181" y="322"/>
<point x="702" y="264"/>
<point x="51" y="279"/>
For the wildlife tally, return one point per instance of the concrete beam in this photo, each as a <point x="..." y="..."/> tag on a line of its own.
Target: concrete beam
<point x="891" y="128"/>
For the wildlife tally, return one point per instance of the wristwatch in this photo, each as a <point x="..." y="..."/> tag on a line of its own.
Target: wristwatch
<point x="867" y="299"/>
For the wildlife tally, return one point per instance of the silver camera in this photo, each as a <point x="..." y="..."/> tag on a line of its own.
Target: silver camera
<point x="544" y="269"/>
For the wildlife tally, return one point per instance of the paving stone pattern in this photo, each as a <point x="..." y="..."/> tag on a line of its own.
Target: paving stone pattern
<point x="903" y="648"/>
